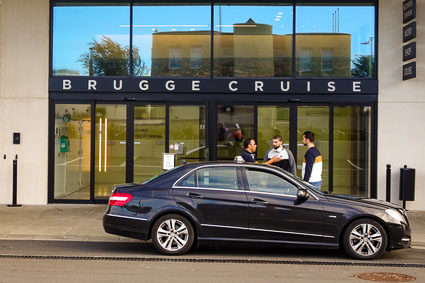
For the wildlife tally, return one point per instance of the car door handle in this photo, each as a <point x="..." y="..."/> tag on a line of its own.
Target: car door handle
<point x="193" y="195"/>
<point x="259" y="201"/>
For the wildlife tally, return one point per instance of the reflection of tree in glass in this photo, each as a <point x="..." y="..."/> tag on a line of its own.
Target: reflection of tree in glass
<point x="109" y="58"/>
<point x="363" y="66"/>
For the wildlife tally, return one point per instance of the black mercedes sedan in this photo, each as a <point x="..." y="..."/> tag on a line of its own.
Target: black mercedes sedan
<point x="253" y="203"/>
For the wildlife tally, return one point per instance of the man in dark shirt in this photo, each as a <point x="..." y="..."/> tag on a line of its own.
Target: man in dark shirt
<point x="248" y="154"/>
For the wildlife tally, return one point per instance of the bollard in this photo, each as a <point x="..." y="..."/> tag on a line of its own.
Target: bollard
<point x="388" y="182"/>
<point x="15" y="183"/>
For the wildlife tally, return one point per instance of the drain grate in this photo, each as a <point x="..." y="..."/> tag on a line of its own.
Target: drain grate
<point x="385" y="277"/>
<point x="214" y="260"/>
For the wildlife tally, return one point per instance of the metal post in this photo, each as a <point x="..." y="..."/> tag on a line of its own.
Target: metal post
<point x="15" y="183"/>
<point x="389" y="182"/>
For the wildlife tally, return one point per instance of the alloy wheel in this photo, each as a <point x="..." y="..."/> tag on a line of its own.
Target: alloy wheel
<point x="366" y="239"/>
<point x="172" y="235"/>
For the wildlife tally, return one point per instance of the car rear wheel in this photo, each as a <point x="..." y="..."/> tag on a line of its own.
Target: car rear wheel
<point x="172" y="234"/>
<point x="365" y="239"/>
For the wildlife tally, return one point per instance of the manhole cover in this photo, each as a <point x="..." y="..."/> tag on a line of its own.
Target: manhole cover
<point x="385" y="277"/>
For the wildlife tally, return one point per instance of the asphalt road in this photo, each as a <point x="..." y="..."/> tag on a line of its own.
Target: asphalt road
<point x="72" y="261"/>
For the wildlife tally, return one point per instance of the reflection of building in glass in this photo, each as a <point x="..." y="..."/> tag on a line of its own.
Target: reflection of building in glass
<point x="323" y="54"/>
<point x="252" y="50"/>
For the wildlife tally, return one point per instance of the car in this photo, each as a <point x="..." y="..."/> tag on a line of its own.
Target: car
<point x="252" y="203"/>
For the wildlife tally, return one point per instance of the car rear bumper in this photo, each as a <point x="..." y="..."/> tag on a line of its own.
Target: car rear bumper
<point x="131" y="227"/>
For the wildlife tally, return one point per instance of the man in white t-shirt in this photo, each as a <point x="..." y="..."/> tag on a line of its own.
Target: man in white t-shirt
<point x="287" y="160"/>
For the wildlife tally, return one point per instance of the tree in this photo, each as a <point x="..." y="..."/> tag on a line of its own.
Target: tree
<point x="364" y="66"/>
<point x="109" y="58"/>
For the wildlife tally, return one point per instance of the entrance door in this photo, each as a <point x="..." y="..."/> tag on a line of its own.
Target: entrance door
<point x="149" y="140"/>
<point x="234" y="124"/>
<point x="187" y="135"/>
<point x="110" y="148"/>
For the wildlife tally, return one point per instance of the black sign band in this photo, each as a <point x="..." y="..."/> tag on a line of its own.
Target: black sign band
<point x="181" y="85"/>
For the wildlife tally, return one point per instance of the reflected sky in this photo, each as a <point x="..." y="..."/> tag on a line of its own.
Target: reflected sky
<point x="75" y="27"/>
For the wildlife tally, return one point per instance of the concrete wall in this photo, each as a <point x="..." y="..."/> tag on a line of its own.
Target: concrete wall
<point x="401" y="108"/>
<point x="24" y="72"/>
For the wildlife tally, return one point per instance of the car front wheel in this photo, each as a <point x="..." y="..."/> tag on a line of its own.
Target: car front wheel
<point x="365" y="239"/>
<point x="172" y="234"/>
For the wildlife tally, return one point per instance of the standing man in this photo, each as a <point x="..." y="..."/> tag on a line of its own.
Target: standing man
<point x="248" y="154"/>
<point x="312" y="165"/>
<point x="286" y="158"/>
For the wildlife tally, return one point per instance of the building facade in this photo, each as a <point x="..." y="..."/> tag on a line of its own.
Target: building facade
<point x="100" y="90"/>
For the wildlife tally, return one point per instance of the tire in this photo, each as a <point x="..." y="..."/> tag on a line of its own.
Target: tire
<point x="365" y="239"/>
<point x="172" y="234"/>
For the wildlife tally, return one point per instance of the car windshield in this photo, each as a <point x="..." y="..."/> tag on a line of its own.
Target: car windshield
<point x="159" y="175"/>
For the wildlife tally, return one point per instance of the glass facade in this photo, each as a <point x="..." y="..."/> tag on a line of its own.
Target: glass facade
<point x="103" y="138"/>
<point x="247" y="38"/>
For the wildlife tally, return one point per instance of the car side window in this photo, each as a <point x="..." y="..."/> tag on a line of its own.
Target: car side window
<point x="260" y="181"/>
<point x="218" y="178"/>
<point x="188" y="181"/>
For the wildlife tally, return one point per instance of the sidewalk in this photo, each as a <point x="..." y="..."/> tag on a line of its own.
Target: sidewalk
<point x="83" y="222"/>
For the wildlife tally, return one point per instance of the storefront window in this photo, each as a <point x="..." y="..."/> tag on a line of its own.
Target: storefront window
<point x="352" y="139"/>
<point x="171" y="39"/>
<point x="340" y="37"/>
<point x="252" y="39"/>
<point x="72" y="151"/>
<point x="91" y="39"/>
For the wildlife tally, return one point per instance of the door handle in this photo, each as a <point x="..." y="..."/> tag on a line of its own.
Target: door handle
<point x="193" y="195"/>
<point x="259" y="201"/>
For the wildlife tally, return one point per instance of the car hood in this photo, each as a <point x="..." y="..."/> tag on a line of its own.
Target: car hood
<point x="361" y="200"/>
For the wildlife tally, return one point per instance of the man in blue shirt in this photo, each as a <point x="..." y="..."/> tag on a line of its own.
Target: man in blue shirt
<point x="312" y="165"/>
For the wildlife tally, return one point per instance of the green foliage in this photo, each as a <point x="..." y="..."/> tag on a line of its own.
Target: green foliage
<point x="364" y="66"/>
<point x="109" y="58"/>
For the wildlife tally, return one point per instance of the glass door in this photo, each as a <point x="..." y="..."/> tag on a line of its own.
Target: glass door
<point x="272" y="121"/>
<point x="316" y="120"/>
<point x="149" y="140"/>
<point x="110" y="148"/>
<point x="187" y="133"/>
<point x="234" y="124"/>
<point x="72" y="151"/>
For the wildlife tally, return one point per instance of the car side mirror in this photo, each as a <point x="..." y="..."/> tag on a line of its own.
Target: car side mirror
<point x="302" y="194"/>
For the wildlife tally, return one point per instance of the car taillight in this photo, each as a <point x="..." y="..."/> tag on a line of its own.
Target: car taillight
<point x="119" y="199"/>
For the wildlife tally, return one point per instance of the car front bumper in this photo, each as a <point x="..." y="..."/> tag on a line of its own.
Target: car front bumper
<point x="399" y="236"/>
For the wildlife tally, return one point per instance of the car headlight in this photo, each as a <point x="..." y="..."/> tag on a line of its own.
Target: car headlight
<point x="395" y="214"/>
